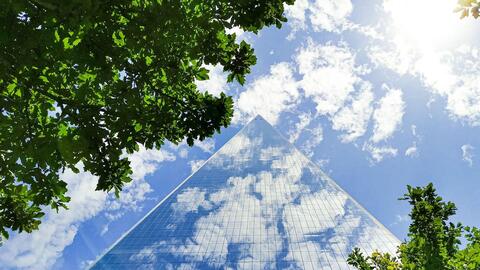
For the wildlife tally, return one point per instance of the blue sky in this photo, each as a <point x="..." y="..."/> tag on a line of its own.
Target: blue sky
<point x="379" y="94"/>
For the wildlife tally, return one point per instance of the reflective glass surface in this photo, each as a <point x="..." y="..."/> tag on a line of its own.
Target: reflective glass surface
<point x="258" y="203"/>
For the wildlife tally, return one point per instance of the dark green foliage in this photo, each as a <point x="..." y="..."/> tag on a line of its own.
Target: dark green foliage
<point x="84" y="81"/>
<point x="433" y="242"/>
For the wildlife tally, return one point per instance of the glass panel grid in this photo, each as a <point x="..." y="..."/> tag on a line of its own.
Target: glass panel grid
<point x="258" y="203"/>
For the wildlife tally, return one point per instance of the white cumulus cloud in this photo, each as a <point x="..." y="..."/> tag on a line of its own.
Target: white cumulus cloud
<point x="354" y="118"/>
<point x="315" y="137"/>
<point x="207" y="145"/>
<point x="217" y="82"/>
<point x="40" y="249"/>
<point x="329" y="75"/>
<point x="268" y="95"/>
<point x="320" y="15"/>
<point x="304" y="120"/>
<point x="332" y="79"/>
<point x="190" y="200"/>
<point x="196" y="164"/>
<point x="412" y="151"/>
<point x="467" y="154"/>
<point x="388" y="116"/>
<point x="379" y="153"/>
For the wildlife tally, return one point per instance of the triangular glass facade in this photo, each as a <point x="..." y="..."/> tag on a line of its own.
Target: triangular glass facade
<point x="258" y="203"/>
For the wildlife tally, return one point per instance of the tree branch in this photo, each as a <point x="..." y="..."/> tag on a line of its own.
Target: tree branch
<point x="64" y="101"/>
<point x="174" y="99"/>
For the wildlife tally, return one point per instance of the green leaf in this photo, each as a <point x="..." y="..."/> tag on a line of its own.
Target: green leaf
<point x="163" y="77"/>
<point x="5" y="234"/>
<point x="87" y="76"/>
<point x="44" y="79"/>
<point x="57" y="36"/>
<point x="119" y="38"/>
<point x="65" y="145"/>
<point x="202" y="74"/>
<point x="39" y="215"/>
<point x="76" y="42"/>
<point x="240" y="79"/>
<point x="148" y="60"/>
<point x="11" y="87"/>
<point x="138" y="127"/>
<point x="230" y="77"/>
<point x="74" y="169"/>
<point x="62" y="130"/>
<point x="66" y="44"/>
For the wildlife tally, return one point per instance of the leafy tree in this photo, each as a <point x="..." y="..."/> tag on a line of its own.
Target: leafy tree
<point x="84" y="81"/>
<point x="467" y="8"/>
<point x="433" y="242"/>
<point x="380" y="261"/>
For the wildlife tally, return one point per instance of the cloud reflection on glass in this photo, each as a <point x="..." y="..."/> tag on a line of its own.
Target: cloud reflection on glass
<point x="258" y="203"/>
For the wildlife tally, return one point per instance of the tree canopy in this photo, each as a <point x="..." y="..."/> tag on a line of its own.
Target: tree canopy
<point x="433" y="242"/>
<point x="85" y="81"/>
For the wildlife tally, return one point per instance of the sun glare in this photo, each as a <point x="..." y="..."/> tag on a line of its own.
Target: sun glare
<point x="426" y="24"/>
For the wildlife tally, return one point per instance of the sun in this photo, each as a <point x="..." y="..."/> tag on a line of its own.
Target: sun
<point x="426" y="24"/>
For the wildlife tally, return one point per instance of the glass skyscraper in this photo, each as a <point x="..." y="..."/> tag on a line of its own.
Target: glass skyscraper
<point x="257" y="203"/>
